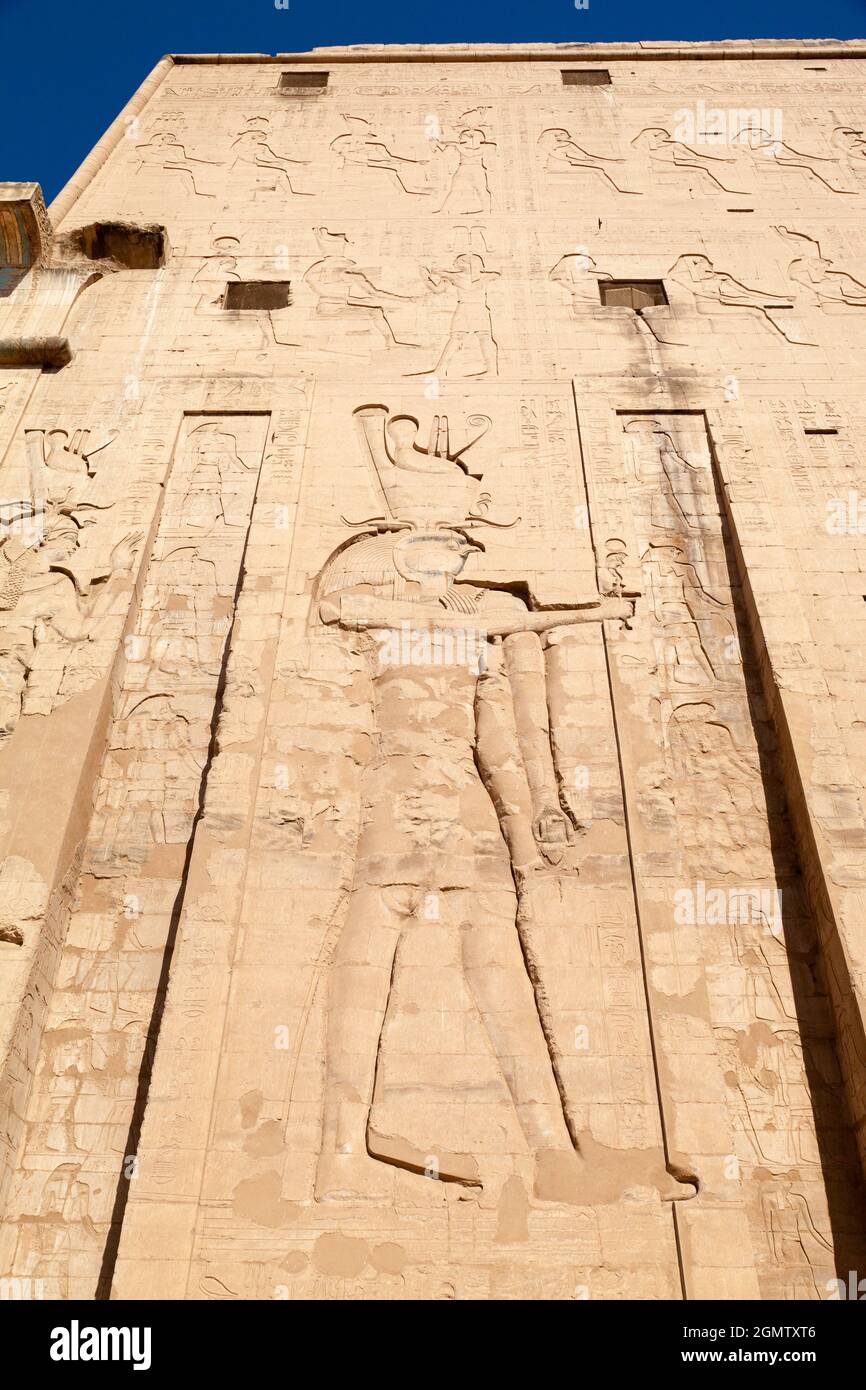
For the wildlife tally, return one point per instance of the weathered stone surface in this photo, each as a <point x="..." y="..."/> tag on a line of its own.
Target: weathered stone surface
<point x="431" y="663"/>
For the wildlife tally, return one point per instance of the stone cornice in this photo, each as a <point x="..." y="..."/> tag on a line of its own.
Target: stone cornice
<point x="730" y="49"/>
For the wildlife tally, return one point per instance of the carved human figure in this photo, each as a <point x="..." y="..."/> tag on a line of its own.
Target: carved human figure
<point x="562" y="155"/>
<point x="574" y="272"/>
<point x="471" y="323"/>
<point x="344" y="290"/>
<point x="760" y="141"/>
<point x="816" y="280"/>
<point x="215" y="495"/>
<point x="666" y="153"/>
<point x="63" y="1218"/>
<point x="671" y="492"/>
<point x="710" y="286"/>
<point x="852" y="147"/>
<point x="459" y="822"/>
<point x="164" y="151"/>
<point x="686" y="614"/>
<point x="468" y="188"/>
<point x="361" y="146"/>
<point x="214" y="273"/>
<point x="251" y="151"/>
<point x="465" y="838"/>
<point x="793" y="1237"/>
<point x="46" y="596"/>
<point x="670" y="482"/>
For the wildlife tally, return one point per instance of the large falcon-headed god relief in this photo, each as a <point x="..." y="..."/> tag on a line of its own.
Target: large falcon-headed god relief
<point x="465" y="838"/>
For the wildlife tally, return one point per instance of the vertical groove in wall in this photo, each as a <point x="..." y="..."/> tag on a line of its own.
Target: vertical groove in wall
<point x="849" y="1022"/>
<point x="143" y="1088"/>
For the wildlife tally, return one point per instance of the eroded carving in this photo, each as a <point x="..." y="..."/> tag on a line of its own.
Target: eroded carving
<point x="55" y="578"/>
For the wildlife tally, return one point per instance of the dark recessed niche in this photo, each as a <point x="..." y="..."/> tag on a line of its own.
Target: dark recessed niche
<point x="631" y="294"/>
<point x="302" y="82"/>
<point x="257" y="294"/>
<point x="136" y="248"/>
<point x="585" y="77"/>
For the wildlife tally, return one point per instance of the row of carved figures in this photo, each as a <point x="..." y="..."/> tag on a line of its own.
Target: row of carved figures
<point x="347" y="289"/>
<point x="455" y="172"/>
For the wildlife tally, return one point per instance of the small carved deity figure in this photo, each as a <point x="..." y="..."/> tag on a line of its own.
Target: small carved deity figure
<point x="609" y="574"/>
<point x="686" y="615"/>
<point x="46" y="596"/>
<point x="758" y="140"/>
<point x="468" y="188"/>
<point x="63" y="1218"/>
<point x="163" y="151"/>
<point x="562" y="155"/>
<point x="361" y="146"/>
<point x="710" y="286"/>
<point x="574" y="272"/>
<point x="793" y="1236"/>
<point x="471" y="322"/>
<point x="215" y="495"/>
<point x="215" y="271"/>
<point x="252" y="152"/>
<point x="852" y="147"/>
<point x="665" y="153"/>
<point x="817" y="283"/>
<point x="344" y="290"/>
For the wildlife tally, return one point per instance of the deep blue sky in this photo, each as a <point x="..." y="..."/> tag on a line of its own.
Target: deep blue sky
<point x="70" y="65"/>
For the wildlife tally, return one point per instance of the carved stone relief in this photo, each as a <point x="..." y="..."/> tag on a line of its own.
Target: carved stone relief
<point x="448" y="769"/>
<point x="61" y="562"/>
<point x="739" y="894"/>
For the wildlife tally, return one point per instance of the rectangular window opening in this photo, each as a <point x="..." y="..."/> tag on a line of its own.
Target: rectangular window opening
<point x="302" y="81"/>
<point x="257" y="294"/>
<point x="585" y="77"/>
<point x="631" y="294"/>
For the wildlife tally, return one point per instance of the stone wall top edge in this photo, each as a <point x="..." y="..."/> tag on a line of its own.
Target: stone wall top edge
<point x="652" y="50"/>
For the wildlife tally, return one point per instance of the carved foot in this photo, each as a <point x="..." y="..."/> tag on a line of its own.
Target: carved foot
<point x="352" y="1178"/>
<point x="605" y="1175"/>
<point x="560" y="1177"/>
<point x="442" y="1165"/>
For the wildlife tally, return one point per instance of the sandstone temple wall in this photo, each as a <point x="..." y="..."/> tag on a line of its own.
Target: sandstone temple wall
<point x="432" y="728"/>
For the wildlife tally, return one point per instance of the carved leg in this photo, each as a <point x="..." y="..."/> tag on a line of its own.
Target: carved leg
<point x="13" y="679"/>
<point x="359" y="989"/>
<point x="497" y="976"/>
<point x="452" y="347"/>
<point x="525" y="663"/>
<point x="500" y="763"/>
<point x="489" y="355"/>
